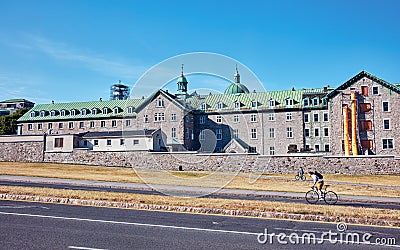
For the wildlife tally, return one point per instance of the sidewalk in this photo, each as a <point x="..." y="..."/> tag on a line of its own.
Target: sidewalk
<point x="186" y="190"/>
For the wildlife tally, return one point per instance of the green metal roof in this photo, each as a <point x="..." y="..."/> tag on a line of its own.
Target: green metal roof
<point x="16" y="100"/>
<point x="245" y="100"/>
<point x="122" y="106"/>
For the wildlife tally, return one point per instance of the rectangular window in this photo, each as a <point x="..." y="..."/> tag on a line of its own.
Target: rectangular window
<point x="236" y="133"/>
<point x="272" y="150"/>
<point x="127" y="123"/>
<point x="271" y="117"/>
<point x="173" y="132"/>
<point x="235" y="118"/>
<point x="307" y="132"/>
<point x="271" y="103"/>
<point x="326" y="117"/>
<point x="114" y="123"/>
<point x="252" y="150"/>
<point x="159" y="117"/>
<point x="85" y="143"/>
<point x="40" y="126"/>
<point x="316" y="148"/>
<point x="253" y="118"/>
<point x="59" y="142"/>
<point x="202" y="135"/>
<point x="326" y="131"/>
<point x="385" y="106"/>
<point x="108" y="142"/>
<point x="306" y="103"/>
<point x="306" y="117"/>
<point x="219" y="119"/>
<point x="218" y="133"/>
<point x="92" y="124"/>
<point x="60" y="125"/>
<point x="364" y="90"/>
<point x="173" y="117"/>
<point x="70" y="125"/>
<point x="289" y="132"/>
<point x="289" y="116"/>
<point x="202" y="119"/>
<point x="387" y="143"/>
<point x="96" y="142"/>
<point x="121" y="141"/>
<point x="102" y="124"/>
<point x="50" y="125"/>
<point x="316" y="117"/>
<point x="327" y="149"/>
<point x="81" y="124"/>
<point x="386" y="124"/>
<point x="315" y="101"/>
<point x="365" y="107"/>
<point x="271" y="132"/>
<point x="316" y="132"/>
<point x="375" y="90"/>
<point x="135" y="142"/>
<point x="146" y="118"/>
<point x="253" y="133"/>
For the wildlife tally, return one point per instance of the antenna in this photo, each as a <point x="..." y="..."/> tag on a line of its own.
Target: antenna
<point x="182" y="68"/>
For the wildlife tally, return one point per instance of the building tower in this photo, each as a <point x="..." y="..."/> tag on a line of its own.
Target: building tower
<point x="119" y="91"/>
<point x="236" y="87"/>
<point x="182" y="84"/>
<point x="236" y="76"/>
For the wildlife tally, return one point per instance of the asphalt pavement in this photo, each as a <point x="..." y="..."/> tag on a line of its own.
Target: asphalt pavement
<point x="30" y="225"/>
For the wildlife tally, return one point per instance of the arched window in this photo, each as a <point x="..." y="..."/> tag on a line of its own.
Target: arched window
<point x="53" y="113"/>
<point x="73" y="112"/>
<point x="130" y="110"/>
<point x="203" y="106"/>
<point x="42" y="113"/>
<point x="237" y="104"/>
<point x="94" y="111"/>
<point x="116" y="110"/>
<point x="83" y="111"/>
<point x="62" y="113"/>
<point x="254" y="104"/>
<point x="220" y="105"/>
<point x="105" y="111"/>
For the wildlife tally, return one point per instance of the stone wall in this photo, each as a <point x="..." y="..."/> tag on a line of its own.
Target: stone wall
<point x="232" y="162"/>
<point x="28" y="151"/>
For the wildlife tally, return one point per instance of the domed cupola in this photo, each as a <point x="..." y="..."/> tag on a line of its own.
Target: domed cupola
<point x="236" y="87"/>
<point x="182" y="83"/>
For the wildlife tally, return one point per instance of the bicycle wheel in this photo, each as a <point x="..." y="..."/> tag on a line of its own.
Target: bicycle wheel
<point x="312" y="197"/>
<point x="330" y="198"/>
<point x="303" y="177"/>
<point x="297" y="177"/>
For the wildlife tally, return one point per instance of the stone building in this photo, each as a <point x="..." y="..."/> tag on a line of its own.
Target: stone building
<point x="238" y="121"/>
<point x="11" y="105"/>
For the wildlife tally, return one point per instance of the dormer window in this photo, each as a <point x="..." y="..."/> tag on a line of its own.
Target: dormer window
<point x="203" y="106"/>
<point x="324" y="101"/>
<point x="254" y="104"/>
<point x="53" y="113"/>
<point x="105" y="111"/>
<point x="289" y="102"/>
<point x="42" y="113"/>
<point x="83" y="111"/>
<point x="62" y="113"/>
<point x="73" y="112"/>
<point x="94" y="111"/>
<point x="220" y="105"/>
<point x="32" y="114"/>
<point x="306" y="102"/>
<point x="272" y="103"/>
<point x="159" y="102"/>
<point x="316" y="101"/>
<point x="130" y="110"/>
<point x="116" y="110"/>
<point x="237" y="104"/>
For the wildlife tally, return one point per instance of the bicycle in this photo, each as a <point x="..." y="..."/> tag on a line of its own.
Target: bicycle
<point x="300" y="177"/>
<point x="330" y="197"/>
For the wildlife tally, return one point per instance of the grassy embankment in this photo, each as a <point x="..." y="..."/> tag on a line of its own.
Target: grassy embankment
<point x="273" y="182"/>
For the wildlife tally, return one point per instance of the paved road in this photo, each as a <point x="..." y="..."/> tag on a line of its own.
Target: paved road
<point x="355" y="201"/>
<point x="48" y="226"/>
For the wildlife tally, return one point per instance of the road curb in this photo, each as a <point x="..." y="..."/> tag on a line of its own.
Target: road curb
<point x="198" y="210"/>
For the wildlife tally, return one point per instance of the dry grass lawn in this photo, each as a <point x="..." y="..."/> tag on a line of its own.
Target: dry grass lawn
<point x="202" y="179"/>
<point x="247" y="205"/>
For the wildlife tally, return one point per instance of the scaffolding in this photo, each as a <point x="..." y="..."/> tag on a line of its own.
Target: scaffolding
<point x="119" y="91"/>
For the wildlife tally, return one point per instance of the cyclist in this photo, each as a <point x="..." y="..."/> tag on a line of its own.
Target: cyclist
<point x="318" y="181"/>
<point x="301" y="172"/>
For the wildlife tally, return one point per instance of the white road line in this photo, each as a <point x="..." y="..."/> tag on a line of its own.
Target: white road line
<point x="84" y="248"/>
<point x="178" y="227"/>
<point x="130" y="223"/>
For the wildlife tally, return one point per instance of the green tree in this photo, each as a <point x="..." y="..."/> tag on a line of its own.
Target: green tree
<point x="8" y="123"/>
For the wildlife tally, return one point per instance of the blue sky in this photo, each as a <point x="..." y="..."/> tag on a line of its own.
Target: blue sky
<point x="74" y="50"/>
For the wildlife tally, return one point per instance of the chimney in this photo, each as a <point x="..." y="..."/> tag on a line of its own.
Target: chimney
<point x="325" y="89"/>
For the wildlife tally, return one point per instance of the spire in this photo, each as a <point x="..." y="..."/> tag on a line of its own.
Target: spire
<point x="236" y="76"/>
